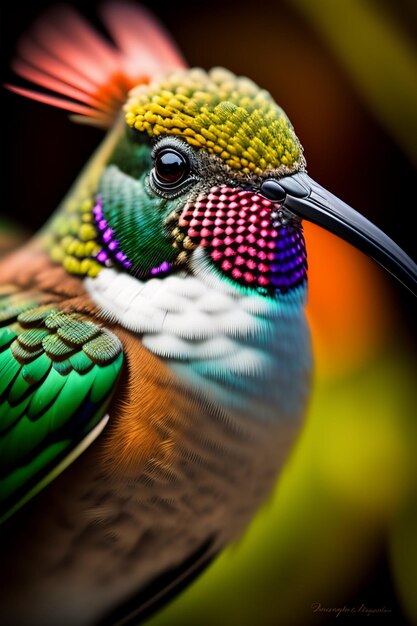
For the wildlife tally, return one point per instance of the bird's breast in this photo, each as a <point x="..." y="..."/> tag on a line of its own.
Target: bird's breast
<point x="249" y="354"/>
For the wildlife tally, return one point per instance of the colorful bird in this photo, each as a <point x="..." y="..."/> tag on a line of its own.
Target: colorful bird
<point x="154" y="353"/>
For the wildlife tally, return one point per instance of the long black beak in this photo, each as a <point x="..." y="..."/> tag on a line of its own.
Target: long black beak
<point x="310" y="201"/>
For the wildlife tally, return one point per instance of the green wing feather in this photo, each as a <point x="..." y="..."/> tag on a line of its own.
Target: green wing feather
<point x="57" y="375"/>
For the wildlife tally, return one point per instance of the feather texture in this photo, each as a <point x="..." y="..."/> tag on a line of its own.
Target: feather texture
<point x="57" y="372"/>
<point x="83" y="72"/>
<point x="248" y="352"/>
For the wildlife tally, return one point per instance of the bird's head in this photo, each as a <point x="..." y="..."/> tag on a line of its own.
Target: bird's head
<point x="209" y="177"/>
<point x="192" y="184"/>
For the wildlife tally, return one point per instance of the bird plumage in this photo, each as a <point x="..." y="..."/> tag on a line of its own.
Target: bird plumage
<point x="165" y="476"/>
<point x="187" y="414"/>
<point x="154" y="341"/>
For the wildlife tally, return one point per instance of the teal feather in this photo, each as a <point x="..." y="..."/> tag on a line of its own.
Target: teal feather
<point x="19" y="441"/>
<point x="18" y="389"/>
<point x="81" y="362"/>
<point x="36" y="370"/>
<point x="56" y="348"/>
<point x="35" y="316"/>
<point x="69" y="402"/>
<point x="10" y="414"/>
<point x="104" y="376"/>
<point x="63" y="367"/>
<point x="78" y="332"/>
<point x="57" y="319"/>
<point x="9" y="369"/>
<point x="16" y="479"/>
<point x="102" y="349"/>
<point x="46" y="393"/>
<point x="7" y="335"/>
<point x="131" y="157"/>
<point x="9" y="314"/>
<point x="21" y="354"/>
<point x="32" y="339"/>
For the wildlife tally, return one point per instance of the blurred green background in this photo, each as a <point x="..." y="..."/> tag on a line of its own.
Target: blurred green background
<point x="341" y="528"/>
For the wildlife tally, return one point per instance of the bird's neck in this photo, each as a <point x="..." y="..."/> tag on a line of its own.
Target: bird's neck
<point x="70" y="237"/>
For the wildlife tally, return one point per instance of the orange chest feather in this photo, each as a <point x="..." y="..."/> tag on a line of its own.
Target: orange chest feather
<point x="148" y="415"/>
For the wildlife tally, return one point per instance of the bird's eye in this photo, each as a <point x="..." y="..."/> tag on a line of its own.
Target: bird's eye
<point x="171" y="167"/>
<point x="175" y="168"/>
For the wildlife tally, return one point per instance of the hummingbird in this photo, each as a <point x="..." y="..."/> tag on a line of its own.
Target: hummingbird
<point x="155" y="359"/>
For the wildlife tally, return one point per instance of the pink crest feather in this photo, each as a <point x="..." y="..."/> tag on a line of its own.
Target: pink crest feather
<point x="83" y="72"/>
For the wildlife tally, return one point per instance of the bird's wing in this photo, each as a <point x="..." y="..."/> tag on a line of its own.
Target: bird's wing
<point x="57" y="374"/>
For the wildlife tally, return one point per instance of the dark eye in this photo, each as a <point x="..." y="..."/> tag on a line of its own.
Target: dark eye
<point x="171" y="167"/>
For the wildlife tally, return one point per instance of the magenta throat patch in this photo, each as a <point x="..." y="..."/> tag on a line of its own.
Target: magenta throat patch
<point x="248" y="238"/>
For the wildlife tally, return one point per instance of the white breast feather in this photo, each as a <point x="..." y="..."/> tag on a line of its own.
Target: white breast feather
<point x="249" y="352"/>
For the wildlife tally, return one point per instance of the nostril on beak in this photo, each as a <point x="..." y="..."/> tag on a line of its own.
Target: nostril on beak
<point x="272" y="190"/>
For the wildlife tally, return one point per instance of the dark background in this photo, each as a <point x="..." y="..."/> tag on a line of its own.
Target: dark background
<point x="347" y="149"/>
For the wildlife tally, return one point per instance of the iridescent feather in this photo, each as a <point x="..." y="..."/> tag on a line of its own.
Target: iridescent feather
<point x="58" y="372"/>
